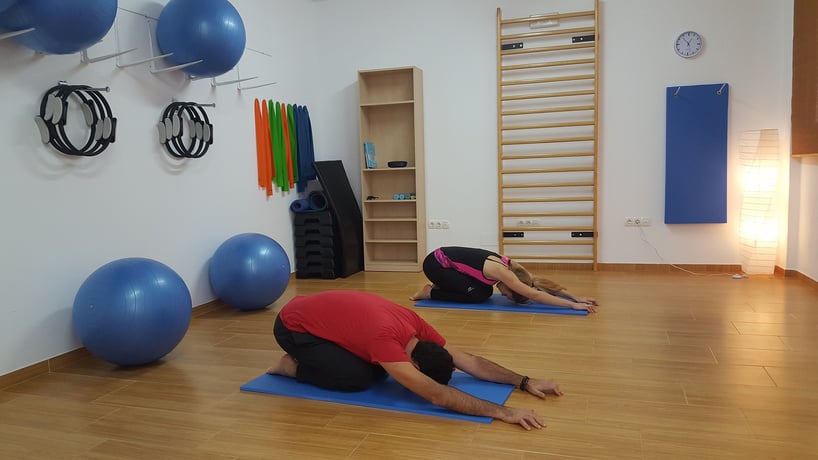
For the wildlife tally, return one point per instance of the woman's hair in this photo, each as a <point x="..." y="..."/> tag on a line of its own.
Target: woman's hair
<point x="434" y="361"/>
<point x="540" y="284"/>
<point x="524" y="276"/>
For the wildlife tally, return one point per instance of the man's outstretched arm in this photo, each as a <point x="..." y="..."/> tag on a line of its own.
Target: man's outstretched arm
<point x="485" y="369"/>
<point x="451" y="398"/>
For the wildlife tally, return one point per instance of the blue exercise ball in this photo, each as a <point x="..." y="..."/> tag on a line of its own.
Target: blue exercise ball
<point x="60" y="26"/>
<point x="132" y="311"/>
<point x="249" y="271"/>
<point x="207" y="30"/>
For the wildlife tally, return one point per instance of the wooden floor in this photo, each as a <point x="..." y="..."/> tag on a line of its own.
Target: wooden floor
<point x="673" y="366"/>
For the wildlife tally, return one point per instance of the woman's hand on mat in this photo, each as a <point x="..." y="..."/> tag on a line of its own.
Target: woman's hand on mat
<point x="526" y="418"/>
<point x="584" y="306"/>
<point x="540" y="388"/>
<point x="587" y="300"/>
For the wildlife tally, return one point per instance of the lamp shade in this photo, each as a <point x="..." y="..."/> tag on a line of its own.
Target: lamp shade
<point x="758" y="228"/>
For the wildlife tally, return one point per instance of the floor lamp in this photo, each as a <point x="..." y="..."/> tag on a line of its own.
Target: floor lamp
<point x="758" y="228"/>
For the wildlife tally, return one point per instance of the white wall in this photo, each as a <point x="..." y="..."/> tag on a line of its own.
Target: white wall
<point x="63" y="218"/>
<point x="454" y="43"/>
<point x="638" y="64"/>
<point x="803" y="249"/>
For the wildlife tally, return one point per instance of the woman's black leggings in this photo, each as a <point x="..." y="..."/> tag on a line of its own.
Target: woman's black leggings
<point x="324" y="363"/>
<point x="453" y="286"/>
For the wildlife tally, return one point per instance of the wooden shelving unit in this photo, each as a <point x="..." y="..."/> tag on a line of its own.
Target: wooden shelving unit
<point x="804" y="118"/>
<point x="391" y="118"/>
<point x="547" y="101"/>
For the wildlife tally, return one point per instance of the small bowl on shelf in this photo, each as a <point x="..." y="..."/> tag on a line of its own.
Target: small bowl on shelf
<point x="397" y="164"/>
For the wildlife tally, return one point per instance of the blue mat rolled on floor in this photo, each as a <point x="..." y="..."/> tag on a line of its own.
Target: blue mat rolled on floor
<point x="499" y="302"/>
<point x="388" y="394"/>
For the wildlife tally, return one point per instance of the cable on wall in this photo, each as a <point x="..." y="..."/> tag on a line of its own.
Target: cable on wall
<point x="186" y="118"/>
<point x="643" y="236"/>
<point x="98" y="117"/>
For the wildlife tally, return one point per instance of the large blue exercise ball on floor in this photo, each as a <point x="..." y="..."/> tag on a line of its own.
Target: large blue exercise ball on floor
<point x="207" y="30"/>
<point x="249" y="271"/>
<point x="60" y="26"/>
<point x="132" y="311"/>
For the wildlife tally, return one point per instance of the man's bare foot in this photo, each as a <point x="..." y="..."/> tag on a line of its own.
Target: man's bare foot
<point x="423" y="294"/>
<point x="286" y="366"/>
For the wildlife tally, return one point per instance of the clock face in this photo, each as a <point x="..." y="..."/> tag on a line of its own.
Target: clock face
<point x="688" y="44"/>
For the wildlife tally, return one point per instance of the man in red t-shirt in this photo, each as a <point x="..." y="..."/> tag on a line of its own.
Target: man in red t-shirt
<point x="347" y="340"/>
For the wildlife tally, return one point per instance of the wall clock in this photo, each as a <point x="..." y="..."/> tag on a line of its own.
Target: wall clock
<point x="688" y="44"/>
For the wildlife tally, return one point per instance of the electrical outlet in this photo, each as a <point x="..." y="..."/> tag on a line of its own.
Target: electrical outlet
<point x="637" y="221"/>
<point x="438" y="223"/>
<point x="444" y="224"/>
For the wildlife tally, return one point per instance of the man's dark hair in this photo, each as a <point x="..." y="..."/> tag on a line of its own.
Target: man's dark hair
<point x="434" y="361"/>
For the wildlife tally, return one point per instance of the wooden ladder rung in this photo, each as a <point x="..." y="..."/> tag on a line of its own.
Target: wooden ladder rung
<point x="551" y="184"/>
<point x="545" y="17"/>
<point x="539" y="65"/>
<point x="547" y="229"/>
<point x="547" y="33"/>
<point x="566" y="124"/>
<point x="547" y="214"/>
<point x="576" y="108"/>
<point x="551" y="242"/>
<point x="563" y="199"/>
<point x="545" y="257"/>
<point x="526" y="97"/>
<point x="547" y="170"/>
<point x="537" y="81"/>
<point x="532" y="156"/>
<point x="551" y="140"/>
<point x="547" y="49"/>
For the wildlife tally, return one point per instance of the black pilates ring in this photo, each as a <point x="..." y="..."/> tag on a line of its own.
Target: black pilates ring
<point x="180" y="119"/>
<point x="98" y="116"/>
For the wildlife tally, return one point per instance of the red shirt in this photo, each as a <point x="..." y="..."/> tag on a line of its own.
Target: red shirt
<point x="371" y="327"/>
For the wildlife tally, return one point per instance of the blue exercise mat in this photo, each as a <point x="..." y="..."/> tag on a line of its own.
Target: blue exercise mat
<point x="388" y="394"/>
<point x="499" y="302"/>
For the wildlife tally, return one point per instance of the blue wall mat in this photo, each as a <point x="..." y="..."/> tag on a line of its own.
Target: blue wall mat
<point x="388" y="394"/>
<point x="499" y="302"/>
<point x="696" y="154"/>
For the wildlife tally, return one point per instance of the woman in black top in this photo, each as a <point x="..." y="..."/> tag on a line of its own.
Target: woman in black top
<point x="468" y="275"/>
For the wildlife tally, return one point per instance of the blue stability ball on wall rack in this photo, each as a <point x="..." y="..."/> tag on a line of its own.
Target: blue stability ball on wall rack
<point x="208" y="30"/>
<point x="249" y="271"/>
<point x="132" y="311"/>
<point x="60" y="27"/>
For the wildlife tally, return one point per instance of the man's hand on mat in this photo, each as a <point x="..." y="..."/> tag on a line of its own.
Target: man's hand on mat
<point x="540" y="388"/>
<point x="584" y="306"/>
<point x="526" y="418"/>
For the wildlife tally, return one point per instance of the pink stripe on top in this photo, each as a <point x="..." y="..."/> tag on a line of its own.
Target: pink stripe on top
<point x="446" y="262"/>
